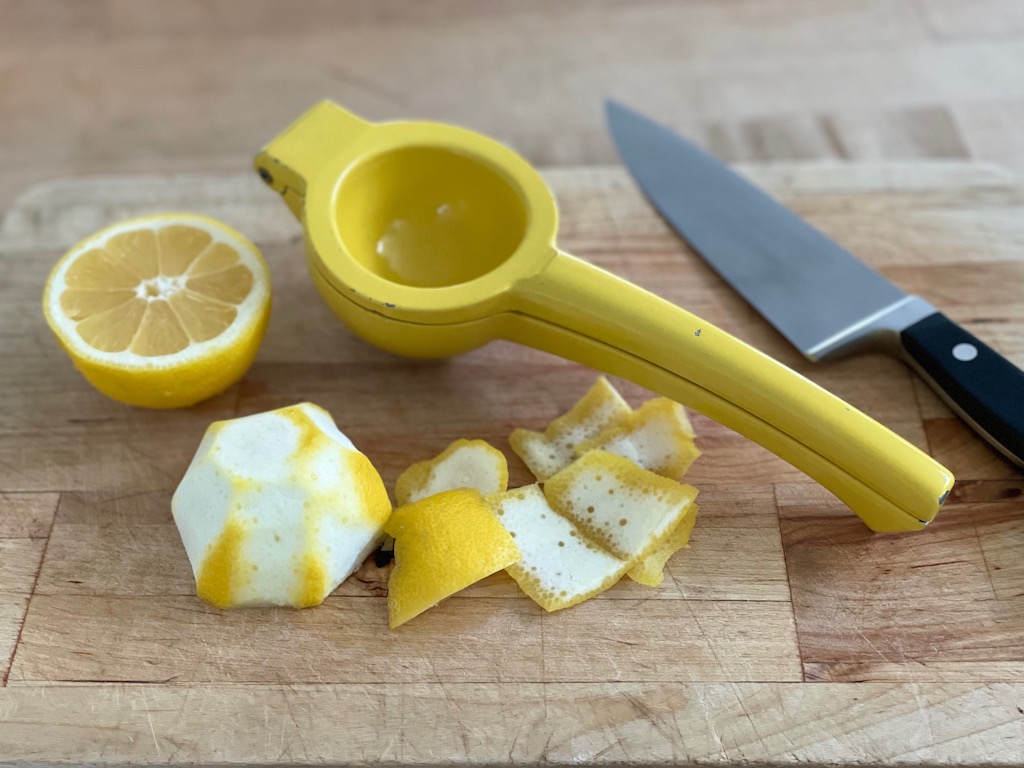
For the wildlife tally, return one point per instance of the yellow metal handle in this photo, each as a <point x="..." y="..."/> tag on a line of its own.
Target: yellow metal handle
<point x="579" y="311"/>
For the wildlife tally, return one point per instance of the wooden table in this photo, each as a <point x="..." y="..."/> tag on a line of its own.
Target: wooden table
<point x="192" y="86"/>
<point x="749" y="653"/>
<point x="786" y="633"/>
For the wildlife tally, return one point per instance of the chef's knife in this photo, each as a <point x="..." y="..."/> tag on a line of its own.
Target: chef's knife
<point x="816" y="294"/>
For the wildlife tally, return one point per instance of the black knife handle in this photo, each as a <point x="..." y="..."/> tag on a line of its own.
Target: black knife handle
<point x="982" y="386"/>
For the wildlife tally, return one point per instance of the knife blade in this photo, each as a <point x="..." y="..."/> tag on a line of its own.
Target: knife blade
<point x="818" y="295"/>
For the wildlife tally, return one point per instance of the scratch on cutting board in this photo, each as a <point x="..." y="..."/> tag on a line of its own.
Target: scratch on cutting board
<point x="924" y="709"/>
<point x="871" y="645"/>
<point x="705" y="709"/>
<point x="152" y="729"/>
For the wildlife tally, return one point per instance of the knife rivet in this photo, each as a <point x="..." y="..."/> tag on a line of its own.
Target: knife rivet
<point x="965" y="352"/>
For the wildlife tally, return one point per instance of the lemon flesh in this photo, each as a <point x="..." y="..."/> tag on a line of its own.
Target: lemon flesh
<point x="278" y="508"/>
<point x="160" y="311"/>
<point x="463" y="464"/>
<point x="443" y="544"/>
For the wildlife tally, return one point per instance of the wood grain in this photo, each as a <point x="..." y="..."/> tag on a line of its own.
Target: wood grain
<point x="875" y="630"/>
<point x="134" y="87"/>
<point x="139" y="639"/>
<point x="19" y="564"/>
<point x="528" y="724"/>
<point x="92" y="530"/>
<point x="27" y="515"/>
<point x="25" y="524"/>
<point x="746" y="654"/>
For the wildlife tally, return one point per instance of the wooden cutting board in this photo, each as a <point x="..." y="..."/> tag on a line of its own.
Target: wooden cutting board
<point x="786" y="633"/>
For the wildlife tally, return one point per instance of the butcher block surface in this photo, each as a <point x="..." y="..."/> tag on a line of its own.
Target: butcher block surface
<point x="787" y="633"/>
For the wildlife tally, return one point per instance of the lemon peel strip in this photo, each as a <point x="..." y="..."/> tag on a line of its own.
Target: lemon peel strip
<point x="463" y="464"/>
<point x="547" y="452"/>
<point x="657" y="436"/>
<point x="627" y="510"/>
<point x="443" y="544"/>
<point x="559" y="566"/>
<point x="650" y="570"/>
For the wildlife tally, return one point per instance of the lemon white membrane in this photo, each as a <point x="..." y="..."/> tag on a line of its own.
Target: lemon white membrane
<point x="548" y="452"/>
<point x="570" y="454"/>
<point x="657" y="437"/>
<point x="600" y="517"/>
<point x="558" y="565"/>
<point x="463" y="464"/>
<point x="278" y="508"/>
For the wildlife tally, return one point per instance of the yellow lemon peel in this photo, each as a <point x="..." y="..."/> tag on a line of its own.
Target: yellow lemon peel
<point x="160" y="311"/>
<point x="611" y="504"/>
<point x="547" y="452"/>
<point x="224" y="572"/>
<point x="650" y="571"/>
<point x="628" y="510"/>
<point x="558" y="565"/>
<point x="443" y="544"/>
<point x="463" y="464"/>
<point x="657" y="437"/>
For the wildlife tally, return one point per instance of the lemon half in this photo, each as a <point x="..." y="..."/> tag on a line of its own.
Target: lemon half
<point x="160" y="311"/>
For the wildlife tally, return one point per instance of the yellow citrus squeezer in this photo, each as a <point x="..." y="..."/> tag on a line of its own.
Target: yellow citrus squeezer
<point x="429" y="240"/>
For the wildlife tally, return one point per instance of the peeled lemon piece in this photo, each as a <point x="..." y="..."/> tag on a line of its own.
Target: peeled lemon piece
<point x="627" y="510"/>
<point x="278" y="508"/>
<point x="558" y="566"/>
<point x="547" y="452"/>
<point x="463" y="464"/>
<point x="443" y="543"/>
<point x="657" y="436"/>
<point x="160" y="311"/>
<point x="650" y="571"/>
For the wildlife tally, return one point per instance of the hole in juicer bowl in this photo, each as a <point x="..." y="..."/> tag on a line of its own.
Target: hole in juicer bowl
<point x="427" y="216"/>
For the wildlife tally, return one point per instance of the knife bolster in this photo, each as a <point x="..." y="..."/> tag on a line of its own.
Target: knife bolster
<point x="879" y="332"/>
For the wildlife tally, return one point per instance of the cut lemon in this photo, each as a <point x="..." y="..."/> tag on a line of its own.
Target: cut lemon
<point x="558" y="565"/>
<point x="547" y="452"/>
<point x="463" y="464"/>
<point x="160" y="311"/>
<point x="443" y="543"/>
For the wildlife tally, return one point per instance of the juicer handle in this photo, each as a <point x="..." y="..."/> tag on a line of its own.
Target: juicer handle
<point x="288" y="162"/>
<point x="577" y="310"/>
